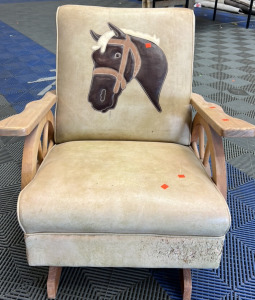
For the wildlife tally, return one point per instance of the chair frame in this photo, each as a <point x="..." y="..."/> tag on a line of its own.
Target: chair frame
<point x="36" y="123"/>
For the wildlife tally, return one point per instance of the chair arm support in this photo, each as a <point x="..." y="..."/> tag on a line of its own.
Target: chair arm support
<point x="210" y="146"/>
<point x="37" y="144"/>
<point x="223" y="124"/>
<point x="24" y="123"/>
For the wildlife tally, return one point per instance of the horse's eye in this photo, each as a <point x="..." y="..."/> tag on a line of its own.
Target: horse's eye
<point x="117" y="55"/>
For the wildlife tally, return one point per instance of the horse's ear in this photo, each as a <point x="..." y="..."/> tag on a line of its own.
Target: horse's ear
<point x="118" y="33"/>
<point x="95" y="35"/>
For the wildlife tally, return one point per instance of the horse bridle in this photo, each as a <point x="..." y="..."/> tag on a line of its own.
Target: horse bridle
<point x="128" y="45"/>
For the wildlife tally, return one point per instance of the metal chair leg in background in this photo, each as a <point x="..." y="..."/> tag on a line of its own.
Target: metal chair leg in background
<point x="248" y="17"/>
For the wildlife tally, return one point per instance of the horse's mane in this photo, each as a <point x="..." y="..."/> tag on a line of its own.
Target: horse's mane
<point x="105" y="38"/>
<point x="142" y="35"/>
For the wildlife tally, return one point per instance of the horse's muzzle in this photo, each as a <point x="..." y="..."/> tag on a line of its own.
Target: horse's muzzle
<point x="101" y="95"/>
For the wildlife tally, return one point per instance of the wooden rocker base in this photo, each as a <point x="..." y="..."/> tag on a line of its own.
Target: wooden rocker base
<point x="186" y="283"/>
<point x="53" y="281"/>
<point x="55" y="272"/>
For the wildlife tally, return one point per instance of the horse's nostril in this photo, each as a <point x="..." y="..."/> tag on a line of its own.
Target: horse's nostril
<point x="102" y="95"/>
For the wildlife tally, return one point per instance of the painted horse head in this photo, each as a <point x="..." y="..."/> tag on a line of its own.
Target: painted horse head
<point x="118" y="58"/>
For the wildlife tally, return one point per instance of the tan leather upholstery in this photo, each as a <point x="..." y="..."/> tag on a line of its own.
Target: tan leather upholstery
<point x="134" y="117"/>
<point x="115" y="187"/>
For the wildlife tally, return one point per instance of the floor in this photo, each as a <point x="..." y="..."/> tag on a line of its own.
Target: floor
<point x="224" y="73"/>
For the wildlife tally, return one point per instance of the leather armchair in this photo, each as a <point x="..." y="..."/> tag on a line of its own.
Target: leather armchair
<point x="122" y="176"/>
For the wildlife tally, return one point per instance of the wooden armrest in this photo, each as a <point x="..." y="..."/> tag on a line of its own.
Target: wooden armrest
<point x="222" y="123"/>
<point x="23" y="124"/>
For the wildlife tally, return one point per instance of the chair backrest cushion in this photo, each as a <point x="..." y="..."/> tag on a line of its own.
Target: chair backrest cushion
<point x="124" y="74"/>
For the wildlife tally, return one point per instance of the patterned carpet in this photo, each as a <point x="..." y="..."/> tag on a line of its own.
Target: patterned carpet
<point x="224" y="72"/>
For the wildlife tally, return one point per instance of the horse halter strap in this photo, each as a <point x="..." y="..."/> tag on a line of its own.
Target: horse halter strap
<point x="128" y="45"/>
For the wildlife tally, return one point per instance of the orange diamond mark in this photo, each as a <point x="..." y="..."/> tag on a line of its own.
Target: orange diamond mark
<point x="225" y="120"/>
<point x="212" y="106"/>
<point x="181" y="176"/>
<point x="164" y="186"/>
<point x="148" y="45"/>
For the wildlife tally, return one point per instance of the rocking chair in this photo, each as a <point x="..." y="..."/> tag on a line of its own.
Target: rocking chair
<point x="117" y="178"/>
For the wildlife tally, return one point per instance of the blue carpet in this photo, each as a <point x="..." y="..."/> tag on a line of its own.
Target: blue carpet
<point x="26" y="68"/>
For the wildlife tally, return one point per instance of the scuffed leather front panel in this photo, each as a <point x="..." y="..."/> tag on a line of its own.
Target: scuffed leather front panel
<point x="152" y="97"/>
<point x="114" y="250"/>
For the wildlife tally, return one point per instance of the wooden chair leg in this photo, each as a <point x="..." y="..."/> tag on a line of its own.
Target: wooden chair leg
<point x="53" y="281"/>
<point x="186" y="284"/>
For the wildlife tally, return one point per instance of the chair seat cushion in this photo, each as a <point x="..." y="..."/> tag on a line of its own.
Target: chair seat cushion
<point x="116" y="187"/>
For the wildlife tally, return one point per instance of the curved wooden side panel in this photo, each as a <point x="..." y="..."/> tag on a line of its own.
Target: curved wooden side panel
<point x="37" y="145"/>
<point x="211" y="147"/>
